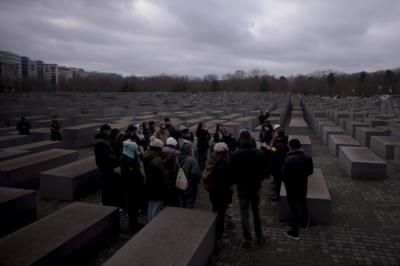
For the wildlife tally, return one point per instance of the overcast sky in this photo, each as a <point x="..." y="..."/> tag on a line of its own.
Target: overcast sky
<point x="146" y="37"/>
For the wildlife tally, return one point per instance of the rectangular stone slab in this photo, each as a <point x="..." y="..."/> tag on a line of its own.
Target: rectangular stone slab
<point x="40" y="134"/>
<point x="336" y="141"/>
<point x="61" y="237"/>
<point x="176" y="237"/>
<point x="384" y="146"/>
<point x="362" y="163"/>
<point x="79" y="136"/>
<point x="305" y="142"/>
<point x="352" y="125"/>
<point x="329" y="130"/>
<point x="14" y="140"/>
<point x="318" y="200"/>
<point x="364" y="134"/>
<point x="70" y="181"/>
<point x="17" y="208"/>
<point x="298" y="126"/>
<point x="24" y="171"/>
<point x="37" y="146"/>
<point x="10" y="154"/>
<point x="323" y="123"/>
<point x="397" y="155"/>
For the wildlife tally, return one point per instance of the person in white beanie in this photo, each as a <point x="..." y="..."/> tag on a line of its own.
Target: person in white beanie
<point x="218" y="183"/>
<point x="170" y="153"/>
<point x="156" y="184"/>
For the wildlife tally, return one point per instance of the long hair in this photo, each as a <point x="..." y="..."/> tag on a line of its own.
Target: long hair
<point x="215" y="157"/>
<point x="199" y="127"/>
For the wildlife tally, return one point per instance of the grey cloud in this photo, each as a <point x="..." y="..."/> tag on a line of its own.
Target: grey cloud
<point x="201" y="37"/>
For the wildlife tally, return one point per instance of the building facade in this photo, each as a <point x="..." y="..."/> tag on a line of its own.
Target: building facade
<point x="10" y="70"/>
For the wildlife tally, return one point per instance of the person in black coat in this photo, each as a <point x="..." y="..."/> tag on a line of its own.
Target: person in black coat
<point x="295" y="171"/>
<point x="279" y="152"/>
<point x="133" y="182"/>
<point x="203" y="137"/>
<point x="24" y="127"/>
<point x="156" y="183"/>
<point x="218" y="183"/>
<point x="55" y="129"/>
<point x="248" y="168"/>
<point x="106" y="161"/>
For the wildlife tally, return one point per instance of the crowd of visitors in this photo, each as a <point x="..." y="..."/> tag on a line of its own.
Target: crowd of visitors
<point x="152" y="160"/>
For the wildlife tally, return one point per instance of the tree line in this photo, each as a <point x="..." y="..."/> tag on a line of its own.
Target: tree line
<point x="325" y="83"/>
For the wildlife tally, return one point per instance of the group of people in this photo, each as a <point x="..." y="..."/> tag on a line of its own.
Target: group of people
<point x="24" y="128"/>
<point x="150" y="159"/>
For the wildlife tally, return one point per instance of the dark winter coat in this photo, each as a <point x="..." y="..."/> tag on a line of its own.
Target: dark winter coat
<point x="132" y="178"/>
<point x="203" y="137"/>
<point x="24" y="127"/>
<point x="171" y="167"/>
<point x="106" y="159"/>
<point x="248" y="167"/>
<point x="265" y="135"/>
<point x="156" y="184"/>
<point x="220" y="184"/>
<point x="297" y="167"/>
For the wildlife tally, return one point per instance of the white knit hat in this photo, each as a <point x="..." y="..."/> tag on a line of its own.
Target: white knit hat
<point x="172" y="142"/>
<point x="156" y="143"/>
<point x="221" y="147"/>
<point x="276" y="126"/>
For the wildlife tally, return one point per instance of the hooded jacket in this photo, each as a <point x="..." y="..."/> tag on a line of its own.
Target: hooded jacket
<point x="297" y="166"/>
<point x="190" y="166"/>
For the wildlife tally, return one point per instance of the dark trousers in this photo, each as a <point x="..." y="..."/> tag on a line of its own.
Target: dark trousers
<point x="220" y="209"/>
<point x="172" y="198"/>
<point x="247" y="200"/>
<point x="202" y="157"/>
<point x="187" y="199"/>
<point x="110" y="194"/>
<point x="297" y="200"/>
<point x="276" y="185"/>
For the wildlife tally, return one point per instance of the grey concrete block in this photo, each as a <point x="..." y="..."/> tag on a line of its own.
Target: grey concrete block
<point x="364" y="134"/>
<point x="79" y="136"/>
<point x="318" y="200"/>
<point x="25" y="171"/>
<point x="397" y="155"/>
<point x="336" y="141"/>
<point x="14" y="140"/>
<point x="60" y="238"/>
<point x="384" y="146"/>
<point x="175" y="237"/>
<point x="361" y="163"/>
<point x="323" y="123"/>
<point x="17" y="208"/>
<point x="330" y="130"/>
<point x="298" y="126"/>
<point x="70" y="181"/>
<point x="37" y="146"/>
<point x="305" y="142"/>
<point x="10" y="154"/>
<point x="352" y="125"/>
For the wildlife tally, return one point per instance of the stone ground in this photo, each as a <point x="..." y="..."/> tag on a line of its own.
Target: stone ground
<point x="364" y="228"/>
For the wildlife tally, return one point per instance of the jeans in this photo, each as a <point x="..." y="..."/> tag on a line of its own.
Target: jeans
<point x="153" y="209"/>
<point x="246" y="200"/>
<point x="297" y="200"/>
